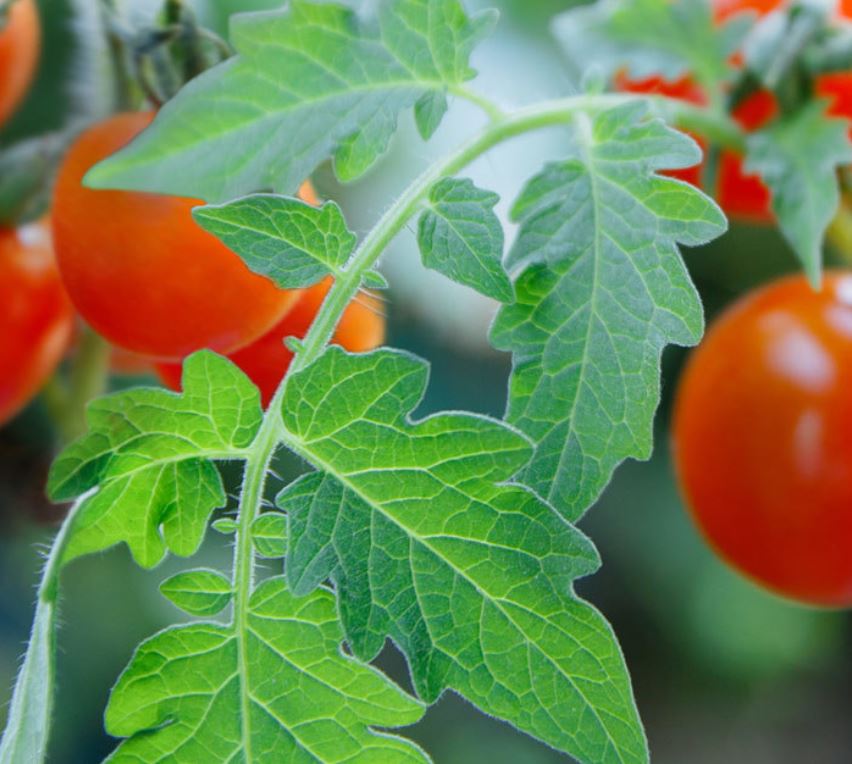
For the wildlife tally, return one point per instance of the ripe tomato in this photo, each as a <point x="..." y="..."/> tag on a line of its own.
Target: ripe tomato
<point x="266" y="361"/>
<point x="36" y="321"/>
<point x="762" y="438"/>
<point x="141" y="272"/>
<point x="20" y="42"/>
<point x="724" y="9"/>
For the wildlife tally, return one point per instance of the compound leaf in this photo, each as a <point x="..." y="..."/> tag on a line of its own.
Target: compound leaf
<point x="797" y="157"/>
<point x="148" y="453"/>
<point x="311" y="81"/>
<point x="428" y="544"/>
<point x="602" y="290"/>
<point x="460" y="236"/>
<point x="293" y="243"/>
<point x="269" y="534"/>
<point x="183" y="696"/>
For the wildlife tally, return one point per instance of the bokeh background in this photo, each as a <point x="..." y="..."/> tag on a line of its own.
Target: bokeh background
<point x="724" y="674"/>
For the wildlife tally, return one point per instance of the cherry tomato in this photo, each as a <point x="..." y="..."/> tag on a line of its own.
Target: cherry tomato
<point x="266" y="361"/>
<point x="20" y="43"/>
<point x="141" y="272"/>
<point x="36" y="320"/>
<point x="762" y="438"/>
<point x="724" y="9"/>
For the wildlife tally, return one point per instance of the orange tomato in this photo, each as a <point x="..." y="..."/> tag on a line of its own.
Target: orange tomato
<point x="762" y="438"/>
<point x="20" y="44"/>
<point x="141" y="272"/>
<point x="361" y="328"/>
<point x="36" y="321"/>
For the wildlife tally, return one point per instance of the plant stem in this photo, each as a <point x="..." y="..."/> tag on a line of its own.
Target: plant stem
<point x="88" y="379"/>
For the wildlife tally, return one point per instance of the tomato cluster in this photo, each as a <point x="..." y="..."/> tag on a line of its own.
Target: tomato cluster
<point x="762" y="438"/>
<point x="742" y="195"/>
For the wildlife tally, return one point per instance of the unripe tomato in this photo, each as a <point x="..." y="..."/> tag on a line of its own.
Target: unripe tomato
<point x="141" y="272"/>
<point x="361" y="328"/>
<point x="36" y="320"/>
<point x="20" y="42"/>
<point x="762" y="438"/>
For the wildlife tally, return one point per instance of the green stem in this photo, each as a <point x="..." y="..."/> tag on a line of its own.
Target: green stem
<point x="27" y="730"/>
<point x="88" y="380"/>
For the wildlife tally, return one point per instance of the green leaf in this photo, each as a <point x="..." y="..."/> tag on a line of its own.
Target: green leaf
<point x="798" y="156"/>
<point x="428" y="544"/>
<point x="602" y="290"/>
<point x="269" y="534"/>
<point x="293" y="243"/>
<point x="226" y="526"/>
<point x="26" y="176"/>
<point x="311" y="81"/>
<point x="460" y="236"/>
<point x="651" y="37"/>
<point x="148" y="453"/>
<point x="198" y="592"/>
<point x="182" y="698"/>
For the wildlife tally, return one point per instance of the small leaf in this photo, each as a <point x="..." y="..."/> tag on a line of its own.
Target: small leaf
<point x="429" y="111"/>
<point x="428" y="544"/>
<point x="269" y="534"/>
<point x="312" y="81"/>
<point x="226" y="526"/>
<point x="602" y="289"/>
<point x="198" y="592"/>
<point x="293" y="243"/>
<point x="375" y="280"/>
<point x="460" y="236"/>
<point x="798" y="156"/>
<point x="26" y="177"/>
<point x="149" y="453"/>
<point x="183" y="696"/>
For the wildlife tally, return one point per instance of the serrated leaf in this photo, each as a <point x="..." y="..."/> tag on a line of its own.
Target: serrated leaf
<point x="312" y="81"/>
<point x="651" y="37"/>
<point x="602" y="290"/>
<point x="269" y="534"/>
<point x="797" y="157"/>
<point x="148" y="452"/>
<point x="293" y="243"/>
<point x="460" y="236"/>
<point x="198" y="592"/>
<point x="182" y="697"/>
<point x="428" y="544"/>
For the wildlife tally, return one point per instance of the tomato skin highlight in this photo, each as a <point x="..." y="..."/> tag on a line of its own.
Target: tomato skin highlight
<point x="361" y="328"/>
<point x="37" y="319"/>
<point x="141" y="272"/>
<point x="20" y="45"/>
<point x="762" y="438"/>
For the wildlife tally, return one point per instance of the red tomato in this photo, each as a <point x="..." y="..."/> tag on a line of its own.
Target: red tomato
<point x="763" y="438"/>
<point x="724" y="9"/>
<point x="141" y="272"/>
<point x="36" y="321"/>
<point x="361" y="328"/>
<point x="20" y="43"/>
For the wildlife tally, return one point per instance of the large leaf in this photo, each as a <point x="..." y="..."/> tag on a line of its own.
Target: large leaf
<point x="148" y="453"/>
<point x="428" y="544"/>
<point x="602" y="290"/>
<point x="460" y="236"/>
<point x="293" y="243"/>
<point x="651" y="37"/>
<point x="183" y="697"/>
<point x="798" y="157"/>
<point x="311" y="81"/>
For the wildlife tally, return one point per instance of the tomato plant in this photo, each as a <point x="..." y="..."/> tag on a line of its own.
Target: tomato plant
<point x="37" y="318"/>
<point x="20" y="40"/>
<point x="185" y="235"/>
<point x="140" y="271"/>
<point x="266" y="360"/>
<point x="763" y="437"/>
